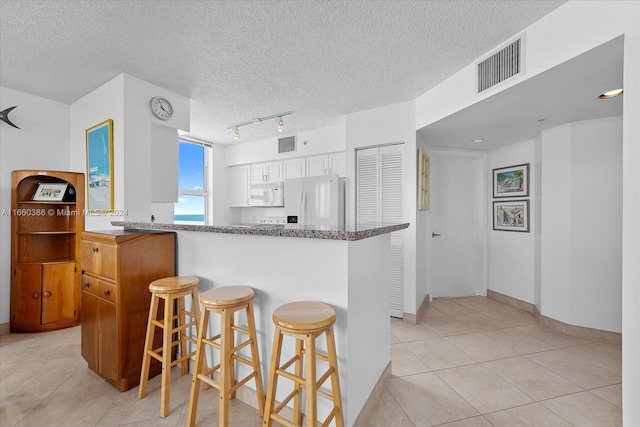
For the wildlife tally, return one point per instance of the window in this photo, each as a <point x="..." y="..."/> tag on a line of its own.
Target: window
<point x="192" y="184"/>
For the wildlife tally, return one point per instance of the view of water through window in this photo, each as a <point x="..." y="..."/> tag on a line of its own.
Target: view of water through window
<point x="191" y="206"/>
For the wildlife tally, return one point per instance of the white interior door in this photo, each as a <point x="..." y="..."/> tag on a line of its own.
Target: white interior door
<point x="458" y="219"/>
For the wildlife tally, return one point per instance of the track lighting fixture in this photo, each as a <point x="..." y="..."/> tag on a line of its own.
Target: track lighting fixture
<point x="236" y="132"/>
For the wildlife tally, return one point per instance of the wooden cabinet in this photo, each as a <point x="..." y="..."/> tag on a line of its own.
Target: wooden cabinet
<point x="45" y="249"/>
<point x="117" y="267"/>
<point x="326" y="164"/>
<point x="239" y="186"/>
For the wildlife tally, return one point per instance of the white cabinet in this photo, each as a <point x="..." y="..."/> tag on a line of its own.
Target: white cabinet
<point x="294" y="168"/>
<point x="326" y="164"/>
<point x="267" y="172"/>
<point x="239" y="185"/>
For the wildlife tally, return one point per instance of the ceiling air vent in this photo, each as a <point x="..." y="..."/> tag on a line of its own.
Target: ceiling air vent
<point x="287" y="145"/>
<point x="500" y="66"/>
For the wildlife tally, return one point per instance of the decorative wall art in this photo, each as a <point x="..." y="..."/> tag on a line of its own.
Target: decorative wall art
<point x="50" y="192"/>
<point x="423" y="180"/>
<point x="512" y="181"/>
<point x="100" y="166"/>
<point x="511" y="215"/>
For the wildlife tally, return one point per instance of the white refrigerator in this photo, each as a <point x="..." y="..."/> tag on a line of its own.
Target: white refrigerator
<point x="314" y="200"/>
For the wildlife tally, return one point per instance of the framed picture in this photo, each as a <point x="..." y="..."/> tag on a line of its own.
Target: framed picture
<point x="50" y="192"/>
<point x="511" y="215"/>
<point x="100" y="167"/>
<point x="512" y="181"/>
<point x="423" y="180"/>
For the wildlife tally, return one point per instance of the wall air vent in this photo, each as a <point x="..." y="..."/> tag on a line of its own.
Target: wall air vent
<point x="501" y="65"/>
<point x="287" y="144"/>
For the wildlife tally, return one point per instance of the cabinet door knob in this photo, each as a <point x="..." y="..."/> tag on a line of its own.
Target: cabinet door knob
<point x="94" y="249"/>
<point x="35" y="295"/>
<point x="107" y="293"/>
<point x="46" y="294"/>
<point x="85" y="285"/>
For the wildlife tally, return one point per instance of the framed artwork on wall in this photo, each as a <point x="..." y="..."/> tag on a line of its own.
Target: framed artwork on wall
<point x="424" y="164"/>
<point x="512" y="181"/>
<point x="511" y="215"/>
<point x="100" y="167"/>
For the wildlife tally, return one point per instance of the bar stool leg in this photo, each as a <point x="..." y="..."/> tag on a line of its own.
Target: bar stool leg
<point x="273" y="379"/>
<point x="166" y="356"/>
<point x="310" y="352"/>
<point x="181" y="334"/>
<point x="254" y="357"/>
<point x="148" y="345"/>
<point x="335" y="381"/>
<point x="200" y="358"/>
<point x="226" y="363"/>
<point x="297" y="412"/>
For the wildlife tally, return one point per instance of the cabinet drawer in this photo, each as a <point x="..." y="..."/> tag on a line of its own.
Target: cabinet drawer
<point x="99" y="258"/>
<point x="99" y="288"/>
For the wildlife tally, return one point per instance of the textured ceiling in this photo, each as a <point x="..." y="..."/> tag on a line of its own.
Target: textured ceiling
<point x="238" y="60"/>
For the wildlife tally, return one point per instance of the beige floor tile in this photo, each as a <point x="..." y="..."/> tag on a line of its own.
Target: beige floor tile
<point x="483" y="389"/>
<point x="612" y="394"/>
<point x="479" y="303"/>
<point x="606" y="355"/>
<point x="533" y="415"/>
<point x="387" y="413"/>
<point x="439" y="353"/>
<point x="531" y="378"/>
<point x="449" y="306"/>
<point x="511" y="317"/>
<point x="445" y="326"/>
<point x="518" y="341"/>
<point x="427" y="400"/>
<point x="585" y="409"/>
<point x="404" y="362"/>
<point x="469" y="422"/>
<point x="552" y="337"/>
<point x="431" y="311"/>
<point x="480" y="321"/>
<point x="578" y="371"/>
<point x="406" y="332"/>
<point x="480" y="347"/>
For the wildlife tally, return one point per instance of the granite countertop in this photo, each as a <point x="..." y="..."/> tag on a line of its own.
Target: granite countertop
<point x="348" y="232"/>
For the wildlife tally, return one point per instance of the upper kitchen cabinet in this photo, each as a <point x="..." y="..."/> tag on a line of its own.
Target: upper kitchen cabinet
<point x="326" y="164"/>
<point x="267" y="172"/>
<point x="294" y="168"/>
<point x="239" y="185"/>
<point x="47" y="218"/>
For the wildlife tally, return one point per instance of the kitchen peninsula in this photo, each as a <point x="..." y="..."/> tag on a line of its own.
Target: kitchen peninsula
<point x="347" y="267"/>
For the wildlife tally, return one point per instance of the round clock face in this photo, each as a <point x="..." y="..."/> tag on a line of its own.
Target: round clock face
<point x="161" y="108"/>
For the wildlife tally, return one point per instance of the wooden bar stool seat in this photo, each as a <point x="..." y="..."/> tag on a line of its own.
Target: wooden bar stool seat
<point x="173" y="324"/>
<point x="305" y="321"/>
<point x="225" y="301"/>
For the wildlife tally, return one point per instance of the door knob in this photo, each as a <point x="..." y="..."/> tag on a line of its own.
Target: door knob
<point x="435" y="235"/>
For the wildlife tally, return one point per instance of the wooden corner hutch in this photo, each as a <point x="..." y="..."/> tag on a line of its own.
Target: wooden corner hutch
<point x="45" y="251"/>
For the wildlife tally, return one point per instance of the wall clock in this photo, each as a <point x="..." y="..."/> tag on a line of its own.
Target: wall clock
<point x="161" y="108"/>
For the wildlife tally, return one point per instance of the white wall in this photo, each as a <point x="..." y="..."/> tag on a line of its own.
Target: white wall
<point x="42" y="142"/>
<point x="511" y="255"/>
<point x="572" y="29"/>
<point x="386" y="125"/>
<point x="308" y="143"/>
<point x="125" y="99"/>
<point x="581" y="277"/>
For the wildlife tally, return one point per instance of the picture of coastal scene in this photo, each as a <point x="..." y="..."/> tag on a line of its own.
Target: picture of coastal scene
<point x="99" y="157"/>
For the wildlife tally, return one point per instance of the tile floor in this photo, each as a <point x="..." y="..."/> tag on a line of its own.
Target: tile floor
<point x="472" y="362"/>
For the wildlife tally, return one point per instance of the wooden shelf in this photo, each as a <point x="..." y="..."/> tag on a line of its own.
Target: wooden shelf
<point x="45" y="252"/>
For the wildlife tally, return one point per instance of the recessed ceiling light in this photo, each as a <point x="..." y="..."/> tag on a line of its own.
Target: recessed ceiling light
<point x="610" y="94"/>
<point x="477" y="140"/>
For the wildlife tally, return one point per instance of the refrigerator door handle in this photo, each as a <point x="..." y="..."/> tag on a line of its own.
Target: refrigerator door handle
<point x="303" y="204"/>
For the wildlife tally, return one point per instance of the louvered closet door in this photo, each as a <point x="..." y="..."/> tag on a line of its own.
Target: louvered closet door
<point x="379" y="192"/>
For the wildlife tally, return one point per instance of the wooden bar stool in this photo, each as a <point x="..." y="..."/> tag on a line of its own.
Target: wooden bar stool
<point x="169" y="289"/>
<point x="305" y="321"/>
<point x="225" y="301"/>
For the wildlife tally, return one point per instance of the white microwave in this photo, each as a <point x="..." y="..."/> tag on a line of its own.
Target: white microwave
<point x="268" y="194"/>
